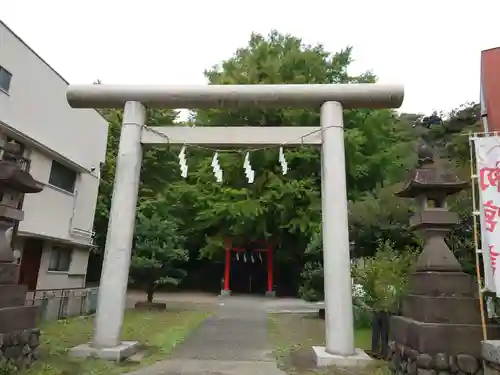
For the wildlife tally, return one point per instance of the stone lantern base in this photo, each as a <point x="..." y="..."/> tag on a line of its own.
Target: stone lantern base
<point x="19" y="339"/>
<point x="440" y="330"/>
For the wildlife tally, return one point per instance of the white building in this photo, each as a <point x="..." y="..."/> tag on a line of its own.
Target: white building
<point x="65" y="148"/>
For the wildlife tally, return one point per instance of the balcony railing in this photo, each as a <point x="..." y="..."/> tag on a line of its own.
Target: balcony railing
<point x="57" y="304"/>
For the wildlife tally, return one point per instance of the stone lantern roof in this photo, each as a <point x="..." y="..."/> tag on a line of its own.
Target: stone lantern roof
<point x="430" y="177"/>
<point x="14" y="177"/>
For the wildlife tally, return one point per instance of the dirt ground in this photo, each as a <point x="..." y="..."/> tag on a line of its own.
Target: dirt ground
<point x="293" y="336"/>
<point x="175" y="301"/>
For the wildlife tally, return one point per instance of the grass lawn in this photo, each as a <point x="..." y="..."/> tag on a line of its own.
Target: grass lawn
<point x="293" y="335"/>
<point x="158" y="332"/>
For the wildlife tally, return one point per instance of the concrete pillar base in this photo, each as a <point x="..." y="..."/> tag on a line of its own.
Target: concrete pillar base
<point x="117" y="353"/>
<point x="270" y="293"/>
<point x="324" y="359"/>
<point x="224" y="293"/>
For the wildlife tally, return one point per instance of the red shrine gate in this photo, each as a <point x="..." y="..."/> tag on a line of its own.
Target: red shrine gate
<point x="265" y="250"/>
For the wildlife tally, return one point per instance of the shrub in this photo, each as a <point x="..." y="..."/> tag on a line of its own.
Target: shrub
<point x="312" y="287"/>
<point x="379" y="281"/>
<point x="384" y="276"/>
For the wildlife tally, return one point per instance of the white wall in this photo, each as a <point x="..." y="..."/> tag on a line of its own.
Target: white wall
<point x="87" y="189"/>
<point x="56" y="213"/>
<point x="74" y="278"/>
<point x="37" y="106"/>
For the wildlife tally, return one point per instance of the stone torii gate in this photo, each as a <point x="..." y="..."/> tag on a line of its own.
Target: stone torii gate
<point x="331" y="98"/>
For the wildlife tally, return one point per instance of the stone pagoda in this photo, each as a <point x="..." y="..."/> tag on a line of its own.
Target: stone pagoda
<point x="440" y="327"/>
<point x="19" y="339"/>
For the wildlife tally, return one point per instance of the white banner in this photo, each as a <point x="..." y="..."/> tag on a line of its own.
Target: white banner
<point x="488" y="177"/>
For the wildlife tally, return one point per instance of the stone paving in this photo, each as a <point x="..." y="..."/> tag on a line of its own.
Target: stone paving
<point x="234" y="341"/>
<point x="190" y="300"/>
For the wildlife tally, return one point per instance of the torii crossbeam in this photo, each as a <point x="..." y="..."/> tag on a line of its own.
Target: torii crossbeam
<point x="331" y="98"/>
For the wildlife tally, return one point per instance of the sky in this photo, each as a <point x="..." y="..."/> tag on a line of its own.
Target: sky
<point x="432" y="47"/>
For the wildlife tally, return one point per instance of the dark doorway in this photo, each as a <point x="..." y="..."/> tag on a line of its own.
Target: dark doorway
<point x="248" y="273"/>
<point x="30" y="262"/>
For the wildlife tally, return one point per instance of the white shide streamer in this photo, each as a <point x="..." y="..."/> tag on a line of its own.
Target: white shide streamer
<point x="216" y="168"/>
<point x="249" y="172"/>
<point x="183" y="162"/>
<point x="282" y="160"/>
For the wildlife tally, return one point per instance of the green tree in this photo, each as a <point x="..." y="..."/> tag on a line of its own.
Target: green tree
<point x="101" y="218"/>
<point x="158" y="254"/>
<point x="287" y="208"/>
<point x="384" y="276"/>
<point x="379" y="215"/>
<point x="158" y="168"/>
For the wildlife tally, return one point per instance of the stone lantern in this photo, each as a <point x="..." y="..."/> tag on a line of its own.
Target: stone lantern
<point x="19" y="337"/>
<point x="440" y="327"/>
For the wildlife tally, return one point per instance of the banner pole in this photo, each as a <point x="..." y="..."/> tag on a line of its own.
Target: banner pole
<point x="473" y="177"/>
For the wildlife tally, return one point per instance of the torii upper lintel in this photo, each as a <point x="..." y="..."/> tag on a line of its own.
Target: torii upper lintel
<point x="360" y="95"/>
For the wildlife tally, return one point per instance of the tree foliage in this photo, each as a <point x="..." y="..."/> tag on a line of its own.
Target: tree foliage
<point x="384" y="276"/>
<point x="158" y="253"/>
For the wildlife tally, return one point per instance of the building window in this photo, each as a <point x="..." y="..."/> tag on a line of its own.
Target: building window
<point x="60" y="258"/>
<point x="62" y="177"/>
<point x="5" y="78"/>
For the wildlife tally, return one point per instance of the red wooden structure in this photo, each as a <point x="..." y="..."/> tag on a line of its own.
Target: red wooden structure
<point x="490" y="89"/>
<point x="267" y="248"/>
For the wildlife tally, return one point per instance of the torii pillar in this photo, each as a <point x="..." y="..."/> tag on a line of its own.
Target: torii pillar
<point x="331" y="98"/>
